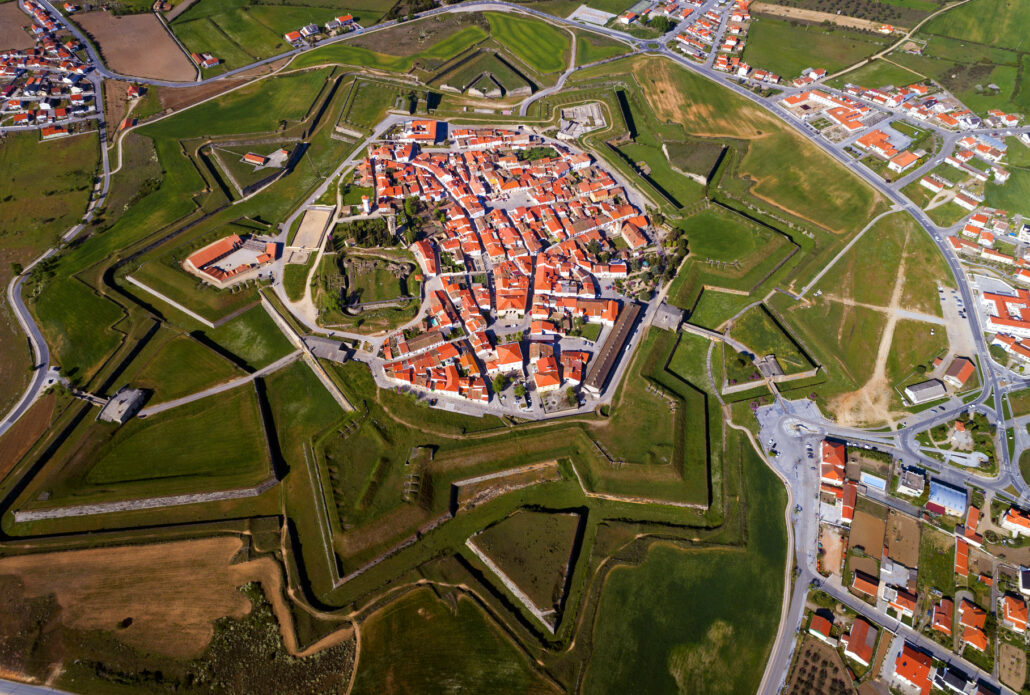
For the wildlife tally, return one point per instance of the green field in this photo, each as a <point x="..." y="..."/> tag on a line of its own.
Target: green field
<point x="787" y="48"/>
<point x="819" y="191"/>
<point x="936" y="562"/>
<point x="878" y="73"/>
<point x="541" y="46"/>
<point x="715" y="308"/>
<point x="252" y="336"/>
<point x="455" y="644"/>
<point x="183" y="366"/>
<point x="216" y="437"/>
<point x="914" y="344"/>
<point x="61" y="173"/>
<point x="757" y="329"/>
<point x="699" y="621"/>
<point x="534" y="549"/>
<point x="1000" y="23"/>
<point x="77" y="324"/>
<point x="720" y="237"/>
<point x="466" y="75"/>
<point x="240" y="31"/>
<point x="593" y="47"/>
<point x="1013" y="196"/>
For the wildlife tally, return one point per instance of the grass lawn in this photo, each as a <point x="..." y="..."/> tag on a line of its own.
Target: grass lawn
<point x="936" y="561"/>
<point x="220" y="436"/>
<point x="787" y="48"/>
<point x="877" y="74"/>
<point x="867" y="273"/>
<point x="459" y="646"/>
<point x="1013" y="195"/>
<point x="757" y="329"/>
<point x="949" y="213"/>
<point x="638" y="410"/>
<point x="680" y="188"/>
<point x="540" y="45"/>
<point x="914" y="343"/>
<point x="822" y="190"/>
<point x="719" y="237"/>
<point x="301" y="407"/>
<point x="593" y="47"/>
<point x="295" y="275"/>
<point x="1019" y="401"/>
<point x="1017" y="154"/>
<point x="61" y="173"/>
<point x="181" y="367"/>
<point x="699" y="621"/>
<point x="77" y="324"/>
<point x="1000" y="23"/>
<point x="1024" y="465"/>
<point x="715" y="308"/>
<point x="843" y="339"/>
<point x="253" y="337"/>
<point x="256" y="108"/>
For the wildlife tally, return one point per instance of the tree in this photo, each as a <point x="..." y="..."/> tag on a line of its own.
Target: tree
<point x="662" y="24"/>
<point x="501" y="382"/>
<point x="520" y="390"/>
<point x="571" y="397"/>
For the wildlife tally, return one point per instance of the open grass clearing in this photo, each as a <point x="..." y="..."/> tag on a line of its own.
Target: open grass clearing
<point x="535" y="550"/>
<point x="699" y="620"/>
<point x="787" y="48"/>
<point x="183" y="366"/>
<point x="456" y="643"/>
<point x="219" y="436"/>
<point x="758" y="330"/>
<point x="253" y="337"/>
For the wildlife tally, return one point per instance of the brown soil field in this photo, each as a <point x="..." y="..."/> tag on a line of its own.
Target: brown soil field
<point x="180" y="97"/>
<point x="121" y="39"/>
<point x="980" y="562"/>
<point x="116" y="102"/>
<point x="806" y="677"/>
<point x="818" y="17"/>
<point x="903" y="539"/>
<point x="12" y="23"/>
<point x="867" y="533"/>
<point x="1012" y="665"/>
<point x="833" y="548"/>
<point x="867" y="565"/>
<point x="24" y="433"/>
<point x="176" y="588"/>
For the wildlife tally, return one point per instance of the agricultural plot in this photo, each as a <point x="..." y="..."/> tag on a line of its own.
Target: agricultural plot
<point x="787" y="48"/>
<point x="879" y="73"/>
<point x="120" y="37"/>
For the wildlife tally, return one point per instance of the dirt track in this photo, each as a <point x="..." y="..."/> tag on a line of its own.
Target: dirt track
<point x="121" y="40"/>
<point x="818" y="17"/>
